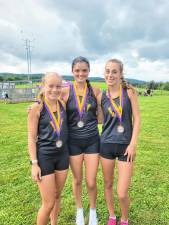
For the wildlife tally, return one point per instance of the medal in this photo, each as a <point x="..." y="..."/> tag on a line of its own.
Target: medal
<point x="59" y="144"/>
<point x="80" y="124"/>
<point x="120" y="129"/>
<point x="56" y="123"/>
<point x="80" y="105"/>
<point x="118" y="109"/>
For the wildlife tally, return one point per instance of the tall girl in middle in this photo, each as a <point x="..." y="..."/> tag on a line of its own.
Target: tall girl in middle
<point x="81" y="104"/>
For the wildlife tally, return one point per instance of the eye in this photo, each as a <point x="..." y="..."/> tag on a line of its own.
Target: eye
<point x="107" y="71"/>
<point x="84" y="70"/>
<point x="114" y="71"/>
<point x="58" y="86"/>
<point x="76" y="70"/>
<point x="51" y="85"/>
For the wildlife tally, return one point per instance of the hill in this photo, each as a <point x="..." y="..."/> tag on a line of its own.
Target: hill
<point x="38" y="76"/>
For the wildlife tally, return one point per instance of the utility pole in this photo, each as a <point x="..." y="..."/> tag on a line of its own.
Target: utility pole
<point x="28" y="56"/>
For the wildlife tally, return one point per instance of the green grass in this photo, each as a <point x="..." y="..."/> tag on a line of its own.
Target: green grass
<point x="19" y="196"/>
<point x="102" y="85"/>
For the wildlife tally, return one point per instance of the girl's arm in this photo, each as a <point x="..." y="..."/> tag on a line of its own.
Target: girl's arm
<point x="33" y="120"/>
<point x="65" y="94"/>
<point x="131" y="150"/>
<point x="98" y="95"/>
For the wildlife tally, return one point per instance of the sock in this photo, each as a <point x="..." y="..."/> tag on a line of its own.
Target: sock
<point x="112" y="217"/>
<point x="79" y="210"/>
<point x="124" y="221"/>
<point x="93" y="216"/>
<point x="92" y="212"/>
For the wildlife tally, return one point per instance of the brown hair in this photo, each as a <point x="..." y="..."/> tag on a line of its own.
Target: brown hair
<point x="125" y="84"/>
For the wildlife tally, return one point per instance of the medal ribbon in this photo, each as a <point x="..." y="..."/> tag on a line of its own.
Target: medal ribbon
<point x="118" y="109"/>
<point x="56" y="122"/>
<point x="80" y="104"/>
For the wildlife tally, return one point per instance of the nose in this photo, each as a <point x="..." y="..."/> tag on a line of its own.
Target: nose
<point x="110" y="75"/>
<point x="80" y="72"/>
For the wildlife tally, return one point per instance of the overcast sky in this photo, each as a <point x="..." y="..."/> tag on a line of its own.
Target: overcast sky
<point x="137" y="32"/>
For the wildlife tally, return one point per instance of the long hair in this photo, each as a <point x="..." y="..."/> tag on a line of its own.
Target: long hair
<point x="125" y="84"/>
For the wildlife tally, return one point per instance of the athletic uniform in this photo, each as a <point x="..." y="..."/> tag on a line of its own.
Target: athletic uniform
<point x="50" y="157"/>
<point x="113" y="143"/>
<point x="86" y="138"/>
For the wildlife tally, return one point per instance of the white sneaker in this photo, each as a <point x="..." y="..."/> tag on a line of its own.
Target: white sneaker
<point x="80" y="217"/>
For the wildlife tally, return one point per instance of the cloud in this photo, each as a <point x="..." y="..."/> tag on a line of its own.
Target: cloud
<point x="135" y="32"/>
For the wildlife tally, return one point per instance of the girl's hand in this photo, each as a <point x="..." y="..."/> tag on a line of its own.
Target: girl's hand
<point x="131" y="153"/>
<point x="36" y="173"/>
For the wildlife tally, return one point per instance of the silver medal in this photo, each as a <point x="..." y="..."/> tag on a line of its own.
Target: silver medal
<point x="80" y="124"/>
<point x="120" y="129"/>
<point x="59" y="144"/>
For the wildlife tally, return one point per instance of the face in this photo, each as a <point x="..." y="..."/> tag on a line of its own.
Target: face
<point x="52" y="87"/>
<point x="112" y="74"/>
<point x="80" y="72"/>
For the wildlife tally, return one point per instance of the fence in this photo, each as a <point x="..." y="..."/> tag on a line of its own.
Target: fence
<point x="19" y="94"/>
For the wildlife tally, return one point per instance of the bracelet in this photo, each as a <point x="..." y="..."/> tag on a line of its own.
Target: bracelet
<point x="32" y="162"/>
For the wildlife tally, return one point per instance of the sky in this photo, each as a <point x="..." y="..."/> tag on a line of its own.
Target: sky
<point x="136" y="32"/>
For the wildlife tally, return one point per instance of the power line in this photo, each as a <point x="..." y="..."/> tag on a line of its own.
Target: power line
<point x="28" y="56"/>
<point x="28" y="47"/>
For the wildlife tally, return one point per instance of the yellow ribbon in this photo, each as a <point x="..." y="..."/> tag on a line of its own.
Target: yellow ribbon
<point x="58" y="120"/>
<point x="111" y="112"/>
<point x="118" y="108"/>
<point x="80" y="103"/>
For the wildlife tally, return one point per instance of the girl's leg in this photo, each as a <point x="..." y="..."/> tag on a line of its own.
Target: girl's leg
<point x="108" y="166"/>
<point x="60" y="178"/>
<point x="76" y="164"/>
<point x="124" y="179"/>
<point x="91" y="166"/>
<point x="47" y="191"/>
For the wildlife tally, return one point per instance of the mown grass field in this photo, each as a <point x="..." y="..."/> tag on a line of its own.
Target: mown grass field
<point x="19" y="196"/>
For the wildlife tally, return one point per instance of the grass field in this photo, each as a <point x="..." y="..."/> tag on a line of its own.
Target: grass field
<point x="19" y="196"/>
<point x="102" y="85"/>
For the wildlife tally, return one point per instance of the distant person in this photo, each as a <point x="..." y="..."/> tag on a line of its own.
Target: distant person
<point x="47" y="144"/>
<point x="6" y="95"/>
<point x="121" y="125"/>
<point x="81" y="101"/>
<point x="148" y="92"/>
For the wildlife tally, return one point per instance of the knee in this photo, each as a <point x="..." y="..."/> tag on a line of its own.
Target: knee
<point x="122" y="195"/>
<point x="91" y="185"/>
<point x="77" y="181"/>
<point x="57" y="195"/>
<point x="108" y="185"/>
<point x="48" y="205"/>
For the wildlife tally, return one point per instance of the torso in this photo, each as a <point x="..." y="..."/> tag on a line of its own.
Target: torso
<point x="89" y="118"/>
<point x="47" y="138"/>
<point x="110" y="123"/>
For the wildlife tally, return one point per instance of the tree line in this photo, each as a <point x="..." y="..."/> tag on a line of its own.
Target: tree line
<point x="141" y="84"/>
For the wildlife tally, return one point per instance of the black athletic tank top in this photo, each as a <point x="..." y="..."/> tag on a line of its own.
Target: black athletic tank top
<point x="109" y="128"/>
<point x="47" y="138"/>
<point x="90" y="128"/>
